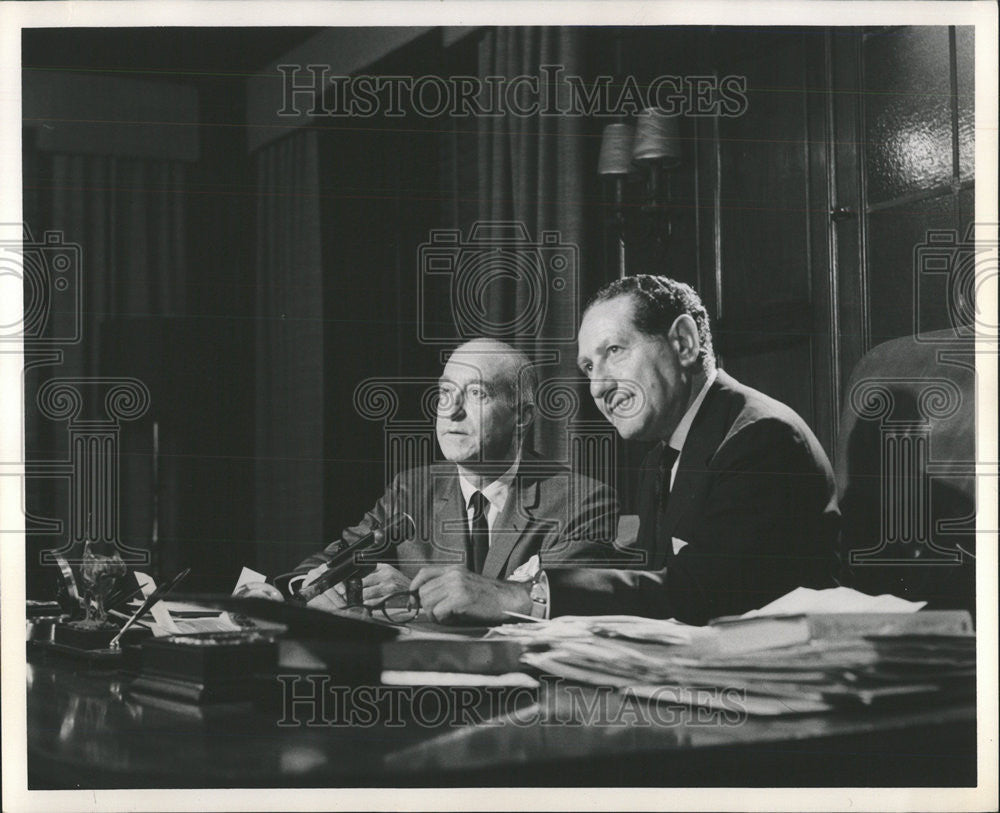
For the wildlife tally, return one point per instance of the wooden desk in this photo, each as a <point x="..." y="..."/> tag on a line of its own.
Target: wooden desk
<point x="84" y="731"/>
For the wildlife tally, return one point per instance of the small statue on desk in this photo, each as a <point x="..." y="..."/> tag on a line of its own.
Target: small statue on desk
<point x="85" y="592"/>
<point x="98" y="572"/>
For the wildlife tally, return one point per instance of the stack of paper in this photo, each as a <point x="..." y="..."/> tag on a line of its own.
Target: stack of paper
<point x="631" y="627"/>
<point x="783" y="664"/>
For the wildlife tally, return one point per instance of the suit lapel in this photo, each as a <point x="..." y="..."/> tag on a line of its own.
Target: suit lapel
<point x="510" y="525"/>
<point x="703" y="440"/>
<point x="449" y="522"/>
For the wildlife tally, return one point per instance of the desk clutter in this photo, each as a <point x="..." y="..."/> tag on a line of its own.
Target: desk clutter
<point x="808" y="652"/>
<point x="102" y="608"/>
<point x="796" y="661"/>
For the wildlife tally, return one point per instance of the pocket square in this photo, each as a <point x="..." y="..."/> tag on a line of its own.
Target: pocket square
<point x="678" y="544"/>
<point x="527" y="571"/>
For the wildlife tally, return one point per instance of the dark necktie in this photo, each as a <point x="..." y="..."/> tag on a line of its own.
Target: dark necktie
<point x="667" y="460"/>
<point x="478" y="544"/>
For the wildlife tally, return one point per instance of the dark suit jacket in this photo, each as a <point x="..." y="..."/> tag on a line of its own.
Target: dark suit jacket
<point x="755" y="501"/>
<point x="549" y="511"/>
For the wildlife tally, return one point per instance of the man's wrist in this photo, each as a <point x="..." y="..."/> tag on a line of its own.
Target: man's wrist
<point x="539" y="595"/>
<point x="530" y="593"/>
<point x="521" y="593"/>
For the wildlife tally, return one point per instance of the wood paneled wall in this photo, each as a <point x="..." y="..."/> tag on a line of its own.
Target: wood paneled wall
<point x="802" y="220"/>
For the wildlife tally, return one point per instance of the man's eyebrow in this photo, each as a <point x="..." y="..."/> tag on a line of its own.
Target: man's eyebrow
<point x="582" y="359"/>
<point x="480" y="382"/>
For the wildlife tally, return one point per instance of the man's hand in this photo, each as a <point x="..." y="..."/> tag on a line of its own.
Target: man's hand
<point x="383" y="581"/>
<point x="333" y="599"/>
<point x="455" y="595"/>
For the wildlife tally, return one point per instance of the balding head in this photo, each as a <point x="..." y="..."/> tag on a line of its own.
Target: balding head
<point x="513" y="372"/>
<point x="486" y="402"/>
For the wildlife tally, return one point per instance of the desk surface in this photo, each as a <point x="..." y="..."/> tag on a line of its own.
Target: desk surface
<point x="85" y="731"/>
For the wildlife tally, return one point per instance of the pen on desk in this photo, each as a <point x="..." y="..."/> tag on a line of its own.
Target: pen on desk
<point x="124" y="617"/>
<point x="154" y="597"/>
<point x="522" y="617"/>
<point x="119" y="599"/>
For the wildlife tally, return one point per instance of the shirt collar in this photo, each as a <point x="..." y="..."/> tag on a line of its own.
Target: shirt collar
<point x="496" y="492"/>
<point x="680" y="434"/>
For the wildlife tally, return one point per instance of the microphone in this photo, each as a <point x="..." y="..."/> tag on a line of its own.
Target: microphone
<point x="343" y="565"/>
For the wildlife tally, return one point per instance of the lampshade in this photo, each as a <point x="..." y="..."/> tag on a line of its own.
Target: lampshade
<point x="657" y="138"/>
<point x="616" y="150"/>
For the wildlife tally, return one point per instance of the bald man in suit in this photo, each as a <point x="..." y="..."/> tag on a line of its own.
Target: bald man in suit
<point x="492" y="513"/>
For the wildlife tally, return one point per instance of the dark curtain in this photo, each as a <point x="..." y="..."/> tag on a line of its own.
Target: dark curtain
<point x="531" y="170"/>
<point x="345" y="288"/>
<point x="288" y="502"/>
<point x="127" y="217"/>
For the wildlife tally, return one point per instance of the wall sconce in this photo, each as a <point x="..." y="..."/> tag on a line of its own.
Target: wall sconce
<point x="646" y="153"/>
<point x="615" y="164"/>
<point x="658" y="151"/>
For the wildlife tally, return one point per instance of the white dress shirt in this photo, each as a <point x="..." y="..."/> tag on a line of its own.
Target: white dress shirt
<point x="496" y="494"/>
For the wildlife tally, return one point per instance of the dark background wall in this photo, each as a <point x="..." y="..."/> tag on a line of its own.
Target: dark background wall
<point x="874" y="124"/>
<point x="799" y="221"/>
<point x="197" y="358"/>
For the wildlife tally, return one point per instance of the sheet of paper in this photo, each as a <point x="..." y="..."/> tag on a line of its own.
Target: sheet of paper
<point x="222" y="623"/>
<point x="835" y="600"/>
<point x="567" y="627"/>
<point x="161" y="615"/>
<point x="166" y="624"/>
<point x="757" y="705"/>
<point x="248" y="576"/>
<point x="514" y="679"/>
<point x="178" y="607"/>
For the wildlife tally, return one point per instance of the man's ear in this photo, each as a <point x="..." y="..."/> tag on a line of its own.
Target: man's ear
<point x="525" y="416"/>
<point x="684" y="338"/>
